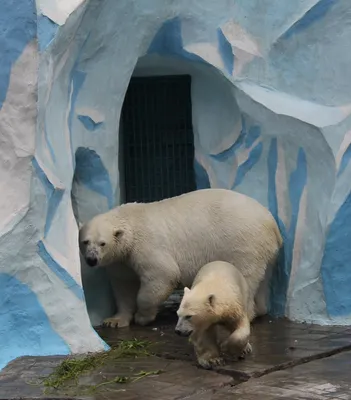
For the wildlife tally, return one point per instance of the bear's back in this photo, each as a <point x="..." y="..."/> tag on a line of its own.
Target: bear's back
<point x="225" y="282"/>
<point x="203" y="226"/>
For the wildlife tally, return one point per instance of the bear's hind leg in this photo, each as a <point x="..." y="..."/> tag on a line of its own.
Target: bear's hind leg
<point x="150" y="297"/>
<point x="157" y="282"/>
<point x="263" y="293"/>
<point x="206" y="348"/>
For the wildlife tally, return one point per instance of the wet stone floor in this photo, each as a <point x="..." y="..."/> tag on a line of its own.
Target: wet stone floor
<point x="289" y="361"/>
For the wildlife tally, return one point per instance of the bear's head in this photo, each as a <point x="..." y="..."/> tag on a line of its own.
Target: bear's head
<point x="103" y="241"/>
<point x="196" y="312"/>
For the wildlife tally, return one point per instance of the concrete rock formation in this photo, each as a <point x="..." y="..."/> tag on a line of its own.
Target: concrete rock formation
<point x="271" y="104"/>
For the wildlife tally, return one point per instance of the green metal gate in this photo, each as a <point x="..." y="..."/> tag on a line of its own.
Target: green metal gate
<point x="158" y="141"/>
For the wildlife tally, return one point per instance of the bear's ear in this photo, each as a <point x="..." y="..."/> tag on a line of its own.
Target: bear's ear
<point x="186" y="290"/>
<point x="117" y="233"/>
<point x="211" y="299"/>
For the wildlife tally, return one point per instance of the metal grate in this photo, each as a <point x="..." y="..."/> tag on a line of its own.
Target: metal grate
<point x="158" y="140"/>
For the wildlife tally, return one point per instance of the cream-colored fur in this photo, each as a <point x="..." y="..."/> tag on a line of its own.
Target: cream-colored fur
<point x="166" y="243"/>
<point x="219" y="298"/>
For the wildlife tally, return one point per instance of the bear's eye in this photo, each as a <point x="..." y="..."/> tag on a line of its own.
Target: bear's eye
<point x="85" y="242"/>
<point x="102" y="244"/>
<point x="188" y="317"/>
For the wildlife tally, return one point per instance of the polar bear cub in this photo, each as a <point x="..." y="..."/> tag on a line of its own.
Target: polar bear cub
<point x="219" y="298"/>
<point x="150" y="249"/>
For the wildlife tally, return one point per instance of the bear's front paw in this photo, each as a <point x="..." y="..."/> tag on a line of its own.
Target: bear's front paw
<point x="247" y="350"/>
<point x="116" y="322"/>
<point x="209" y="363"/>
<point x="142" y="319"/>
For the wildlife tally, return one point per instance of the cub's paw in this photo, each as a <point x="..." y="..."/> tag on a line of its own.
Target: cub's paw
<point x="116" y="322"/>
<point x="247" y="350"/>
<point x="209" y="363"/>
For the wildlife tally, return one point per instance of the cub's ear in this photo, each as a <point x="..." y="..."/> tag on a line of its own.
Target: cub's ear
<point x="117" y="233"/>
<point x="186" y="290"/>
<point x="211" y="299"/>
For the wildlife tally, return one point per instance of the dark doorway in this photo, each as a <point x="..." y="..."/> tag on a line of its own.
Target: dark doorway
<point x="157" y="141"/>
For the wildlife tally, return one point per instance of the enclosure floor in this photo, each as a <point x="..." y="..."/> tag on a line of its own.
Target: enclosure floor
<point x="290" y="361"/>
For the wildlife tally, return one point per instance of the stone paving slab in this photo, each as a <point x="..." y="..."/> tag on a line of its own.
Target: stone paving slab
<point x="177" y="379"/>
<point x="324" y="379"/>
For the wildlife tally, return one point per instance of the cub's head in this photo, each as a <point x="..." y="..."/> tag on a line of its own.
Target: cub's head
<point x="196" y="311"/>
<point x="103" y="242"/>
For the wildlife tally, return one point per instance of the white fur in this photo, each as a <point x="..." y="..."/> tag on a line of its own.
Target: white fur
<point x="219" y="299"/>
<point x="166" y="243"/>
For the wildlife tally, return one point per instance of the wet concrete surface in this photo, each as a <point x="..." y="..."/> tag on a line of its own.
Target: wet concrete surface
<point x="290" y="361"/>
<point x="326" y="378"/>
<point x="276" y="344"/>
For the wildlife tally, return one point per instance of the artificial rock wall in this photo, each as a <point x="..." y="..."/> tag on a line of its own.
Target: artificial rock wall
<point x="271" y="98"/>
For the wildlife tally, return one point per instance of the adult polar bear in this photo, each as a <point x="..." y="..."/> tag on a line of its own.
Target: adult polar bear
<point x="152" y="248"/>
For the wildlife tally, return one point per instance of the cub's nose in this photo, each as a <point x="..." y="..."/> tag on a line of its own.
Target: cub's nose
<point x="91" y="261"/>
<point x="178" y="332"/>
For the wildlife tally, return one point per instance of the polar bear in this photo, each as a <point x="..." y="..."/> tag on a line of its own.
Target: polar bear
<point x="219" y="298"/>
<point x="152" y="248"/>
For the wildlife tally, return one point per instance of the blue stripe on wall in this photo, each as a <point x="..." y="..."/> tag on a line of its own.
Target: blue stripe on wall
<point x="297" y="182"/>
<point x="201" y="177"/>
<point x="24" y="326"/>
<point x="168" y="41"/>
<point x="245" y="167"/>
<point x="244" y="140"/>
<point x="336" y="263"/>
<point x="226" y="51"/>
<point x="48" y="142"/>
<point x="88" y="123"/>
<point x="253" y="134"/>
<point x="345" y="160"/>
<point x="54" y="195"/>
<point x="60" y="272"/>
<point x="46" y="31"/>
<point x="280" y="278"/>
<point x="317" y="12"/>
<point x="230" y="152"/>
<point x="17" y="29"/>
<point x="77" y="81"/>
<point x="272" y="165"/>
<point x="91" y="172"/>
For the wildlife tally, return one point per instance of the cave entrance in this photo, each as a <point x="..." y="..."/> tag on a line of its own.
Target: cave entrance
<point x="156" y="139"/>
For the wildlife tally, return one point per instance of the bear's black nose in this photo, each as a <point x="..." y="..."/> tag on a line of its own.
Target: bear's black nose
<point x="91" y="261"/>
<point x="183" y="333"/>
